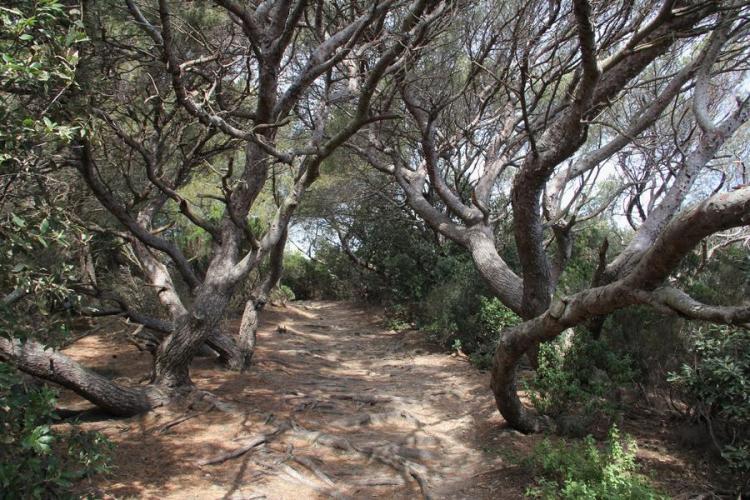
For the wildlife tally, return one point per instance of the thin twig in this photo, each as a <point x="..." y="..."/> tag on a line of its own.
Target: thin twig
<point x="182" y="419"/>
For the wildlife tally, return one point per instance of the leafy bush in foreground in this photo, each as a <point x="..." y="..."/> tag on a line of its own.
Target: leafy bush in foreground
<point x="35" y="460"/>
<point x="582" y="471"/>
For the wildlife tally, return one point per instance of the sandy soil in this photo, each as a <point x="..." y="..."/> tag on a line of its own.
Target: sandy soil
<point x="335" y="406"/>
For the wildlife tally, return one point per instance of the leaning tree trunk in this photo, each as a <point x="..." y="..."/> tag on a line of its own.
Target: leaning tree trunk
<point x="503" y="282"/>
<point x="230" y="354"/>
<point x="258" y="299"/>
<point x="33" y="358"/>
<point x="172" y="358"/>
<point x="248" y="332"/>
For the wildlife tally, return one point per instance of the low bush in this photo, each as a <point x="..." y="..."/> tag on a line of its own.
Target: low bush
<point x="319" y="278"/>
<point x="459" y="310"/>
<point x="35" y="460"/>
<point x="398" y="318"/>
<point x="493" y="318"/>
<point x="281" y="294"/>
<point x="580" y="380"/>
<point x="580" y="470"/>
<point x="654" y="342"/>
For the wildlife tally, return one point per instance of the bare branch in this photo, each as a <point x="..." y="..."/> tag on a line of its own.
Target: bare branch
<point x="678" y="302"/>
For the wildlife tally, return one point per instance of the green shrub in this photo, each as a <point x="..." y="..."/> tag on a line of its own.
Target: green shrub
<point x="281" y="294"/>
<point x="580" y="380"/>
<point x="296" y="274"/>
<point x="441" y="312"/>
<point x="716" y="389"/>
<point x="35" y="460"/>
<point x="456" y="307"/>
<point x="397" y="318"/>
<point x="316" y="279"/>
<point x="654" y="342"/>
<point x="493" y="318"/>
<point x="582" y="471"/>
<point x="449" y="302"/>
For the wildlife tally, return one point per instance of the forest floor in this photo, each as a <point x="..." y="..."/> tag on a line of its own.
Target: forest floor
<point x="335" y="405"/>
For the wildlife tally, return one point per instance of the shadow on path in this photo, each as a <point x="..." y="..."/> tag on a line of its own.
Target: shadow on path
<point x="348" y="409"/>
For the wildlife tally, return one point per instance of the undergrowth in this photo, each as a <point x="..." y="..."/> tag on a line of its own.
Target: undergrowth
<point x="37" y="461"/>
<point x="581" y="470"/>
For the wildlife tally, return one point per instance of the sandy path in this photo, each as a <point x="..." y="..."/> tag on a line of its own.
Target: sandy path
<point x="351" y="410"/>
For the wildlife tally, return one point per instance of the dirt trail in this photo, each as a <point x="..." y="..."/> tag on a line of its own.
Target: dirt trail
<point x="343" y="407"/>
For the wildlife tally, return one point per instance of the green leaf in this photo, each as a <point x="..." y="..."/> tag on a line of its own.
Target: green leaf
<point x="18" y="221"/>
<point x="19" y="267"/>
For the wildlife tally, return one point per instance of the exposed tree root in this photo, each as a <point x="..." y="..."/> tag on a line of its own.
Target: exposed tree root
<point x="363" y="398"/>
<point x="164" y="428"/>
<point x="214" y="402"/>
<point x="249" y="445"/>
<point x="294" y="474"/>
<point x="376" y="418"/>
<point x="281" y="362"/>
<point x="384" y="456"/>
<point x="381" y="481"/>
<point x="308" y="463"/>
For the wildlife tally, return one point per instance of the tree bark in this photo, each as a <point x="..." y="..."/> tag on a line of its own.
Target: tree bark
<point x="505" y="284"/>
<point x="226" y="347"/>
<point x="248" y="332"/>
<point x="503" y="382"/>
<point x="679" y="237"/>
<point x="259" y="298"/>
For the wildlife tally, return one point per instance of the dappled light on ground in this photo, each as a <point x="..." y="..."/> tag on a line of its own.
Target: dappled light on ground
<point x="335" y="404"/>
<point x="349" y="407"/>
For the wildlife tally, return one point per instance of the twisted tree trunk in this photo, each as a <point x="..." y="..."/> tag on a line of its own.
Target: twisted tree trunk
<point x="639" y="286"/>
<point x="173" y="358"/>
<point x="503" y="382"/>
